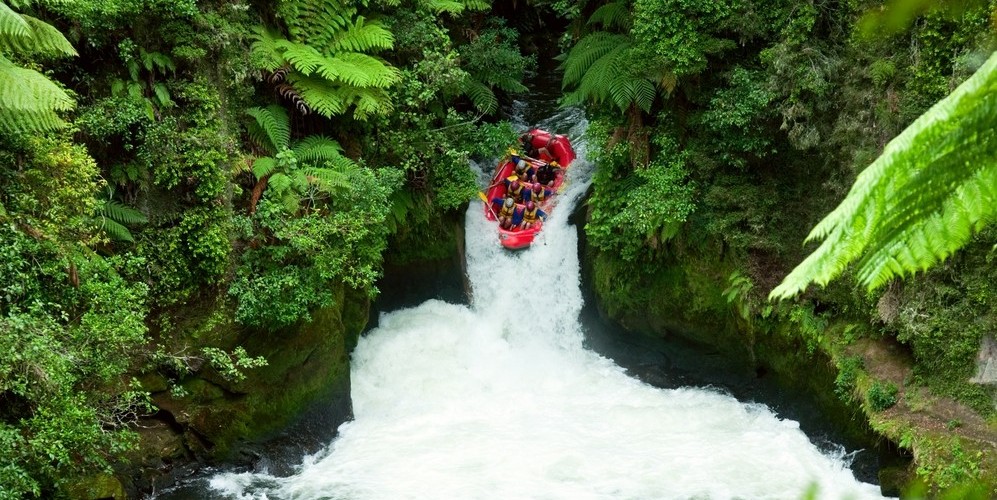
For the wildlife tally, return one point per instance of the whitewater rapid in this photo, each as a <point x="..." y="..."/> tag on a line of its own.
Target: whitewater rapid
<point x="501" y="400"/>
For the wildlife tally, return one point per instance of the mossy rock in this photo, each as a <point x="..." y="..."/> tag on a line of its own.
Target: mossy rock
<point x="96" y="487"/>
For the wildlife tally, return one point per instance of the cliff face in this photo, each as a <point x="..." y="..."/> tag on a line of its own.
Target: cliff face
<point x="842" y="347"/>
<point x="214" y="417"/>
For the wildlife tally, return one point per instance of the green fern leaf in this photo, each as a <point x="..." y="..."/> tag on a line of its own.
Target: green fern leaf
<point x="440" y="6"/>
<point x="361" y="36"/>
<point x="116" y="231"/>
<point x="26" y="122"/>
<point x="122" y="214"/>
<point x="319" y="94"/>
<point x="480" y="95"/>
<point x="921" y="200"/>
<point x="316" y="148"/>
<point x="588" y="51"/>
<point x="264" y="50"/>
<point x="612" y="15"/>
<point x="263" y="167"/>
<point x="271" y="128"/>
<point x="12" y="24"/>
<point x="42" y="38"/>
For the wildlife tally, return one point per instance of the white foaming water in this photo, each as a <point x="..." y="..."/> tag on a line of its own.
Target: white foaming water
<point x="500" y="400"/>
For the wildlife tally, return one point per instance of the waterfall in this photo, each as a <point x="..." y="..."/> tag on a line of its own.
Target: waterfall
<point x="501" y="400"/>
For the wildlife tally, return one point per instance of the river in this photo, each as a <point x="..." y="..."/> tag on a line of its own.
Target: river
<point x="501" y="399"/>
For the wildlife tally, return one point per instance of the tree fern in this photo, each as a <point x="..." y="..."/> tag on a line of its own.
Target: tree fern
<point x="933" y="186"/>
<point x="326" y="65"/>
<point x="29" y="101"/>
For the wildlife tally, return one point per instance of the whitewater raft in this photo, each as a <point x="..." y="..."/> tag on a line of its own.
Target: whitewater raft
<point x="549" y="147"/>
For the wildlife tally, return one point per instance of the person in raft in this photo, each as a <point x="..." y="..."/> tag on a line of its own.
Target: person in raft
<point x="526" y="141"/>
<point x="514" y="189"/>
<point x="547" y="173"/>
<point x="522" y="169"/>
<point x="532" y="215"/>
<point x="508" y="216"/>
<point x="537" y="194"/>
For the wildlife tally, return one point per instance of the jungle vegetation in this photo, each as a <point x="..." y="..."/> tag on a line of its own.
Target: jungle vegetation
<point x="161" y="158"/>
<point x="726" y="130"/>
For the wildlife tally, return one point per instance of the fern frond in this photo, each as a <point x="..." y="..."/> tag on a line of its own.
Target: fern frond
<point x="360" y="70"/>
<point x="479" y="5"/>
<point x="29" y="101"/>
<point x="934" y="186"/>
<point x="27" y="122"/>
<point x="42" y="39"/>
<point x="587" y="51"/>
<point x="506" y="83"/>
<point x="316" y="148"/>
<point x="116" y="231"/>
<point x="271" y="128"/>
<point x="327" y="179"/>
<point x="480" y="95"/>
<point x="28" y="90"/>
<point x="264" y="50"/>
<point x="315" y="21"/>
<point x="318" y="94"/>
<point x="361" y="36"/>
<point x="122" y="214"/>
<point x="440" y="6"/>
<point x="612" y="15"/>
<point x="263" y="167"/>
<point x="12" y="24"/>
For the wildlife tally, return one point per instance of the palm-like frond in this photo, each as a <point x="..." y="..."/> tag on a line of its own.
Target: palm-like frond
<point x="270" y="128"/>
<point x="920" y="201"/>
<point x="361" y="36"/>
<point x="317" y="21"/>
<point x="41" y="38"/>
<point x="480" y="95"/>
<point x="121" y="213"/>
<point x="116" y="231"/>
<point x="12" y="24"/>
<point x="317" y="148"/>
<point x="327" y="179"/>
<point x="114" y="216"/>
<point x="612" y="15"/>
<point x="448" y="6"/>
<point x="264" y="49"/>
<point x="588" y="51"/>
<point x="263" y="167"/>
<point x="29" y="100"/>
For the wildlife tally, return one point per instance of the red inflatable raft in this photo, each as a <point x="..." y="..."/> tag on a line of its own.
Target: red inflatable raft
<point x="549" y="148"/>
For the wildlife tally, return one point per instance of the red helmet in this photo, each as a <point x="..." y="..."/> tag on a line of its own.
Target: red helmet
<point x="514" y="186"/>
<point x="537" y="188"/>
<point x="530" y="205"/>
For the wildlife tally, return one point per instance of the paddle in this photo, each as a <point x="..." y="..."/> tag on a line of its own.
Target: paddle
<point x="487" y="204"/>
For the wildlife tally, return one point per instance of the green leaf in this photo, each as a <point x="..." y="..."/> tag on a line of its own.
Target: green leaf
<point x="932" y="188"/>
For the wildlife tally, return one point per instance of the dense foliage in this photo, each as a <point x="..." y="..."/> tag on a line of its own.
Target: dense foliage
<point x="209" y="163"/>
<point x="751" y="124"/>
<point x="228" y="162"/>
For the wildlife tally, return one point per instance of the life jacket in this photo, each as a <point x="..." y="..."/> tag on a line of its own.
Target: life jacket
<point x="538" y="197"/>
<point x="518" y="193"/>
<point x="530" y="215"/>
<point x="507" y="211"/>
